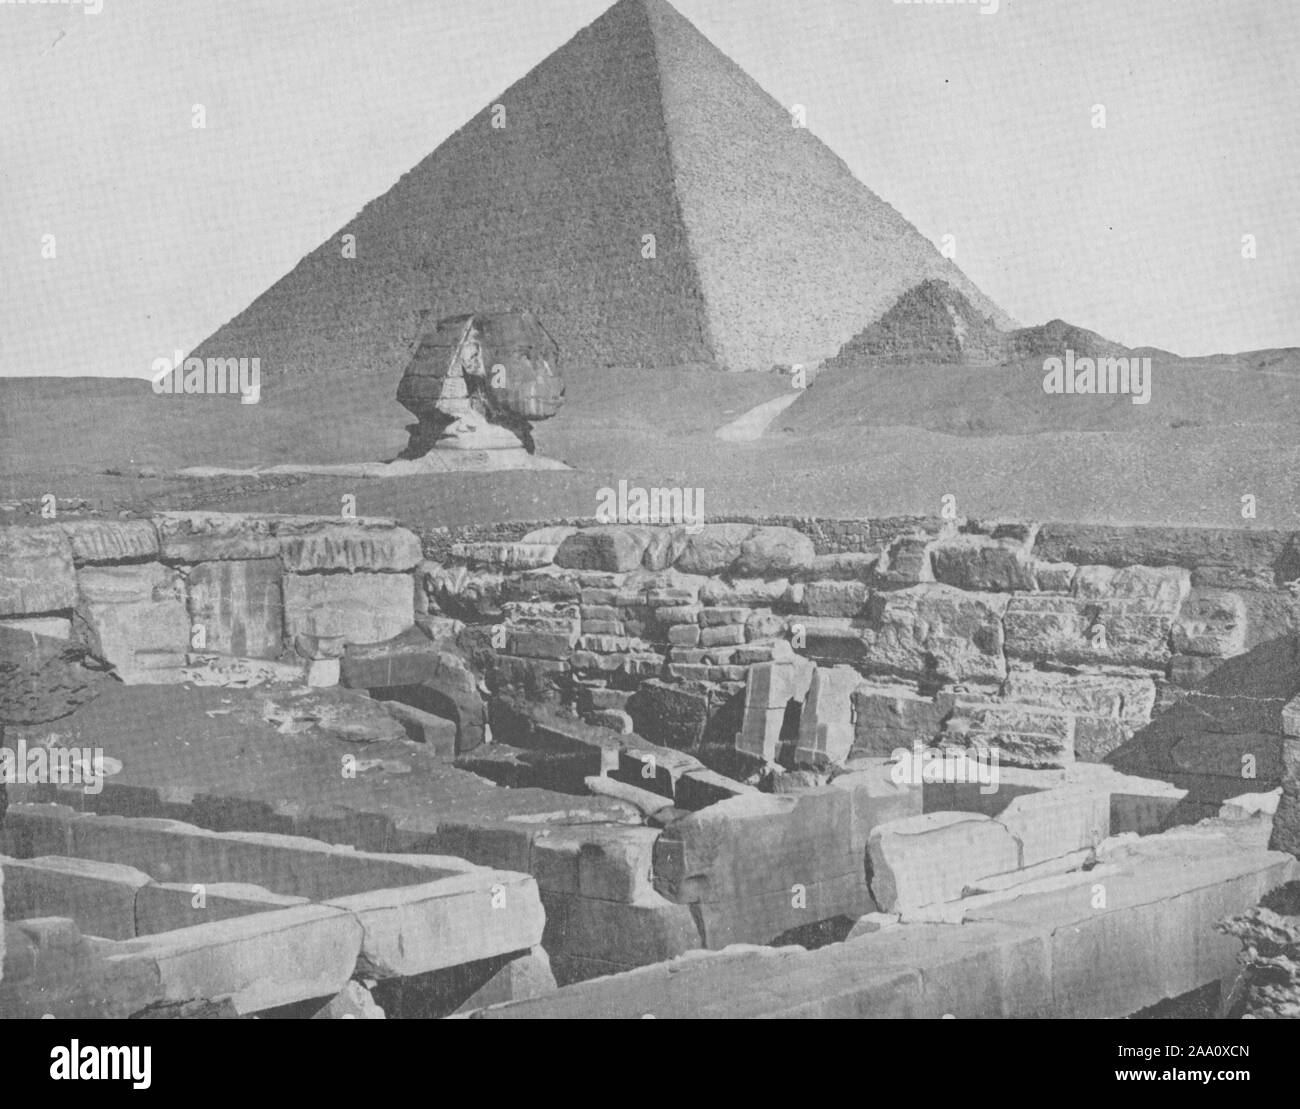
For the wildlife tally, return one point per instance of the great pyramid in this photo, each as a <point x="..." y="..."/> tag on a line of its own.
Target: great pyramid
<point x="767" y="249"/>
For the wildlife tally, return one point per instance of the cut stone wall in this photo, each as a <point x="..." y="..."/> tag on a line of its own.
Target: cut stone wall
<point x="1052" y="642"/>
<point x="164" y="598"/>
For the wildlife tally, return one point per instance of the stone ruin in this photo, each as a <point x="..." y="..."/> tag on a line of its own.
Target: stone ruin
<point x="581" y="770"/>
<point x="476" y="382"/>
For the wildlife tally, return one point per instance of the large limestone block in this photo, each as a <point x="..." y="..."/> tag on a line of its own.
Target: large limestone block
<point x="1223" y="557"/>
<point x="446" y="923"/>
<point x="111" y="540"/>
<point x="1021" y="735"/>
<point x="929" y="859"/>
<point x="757" y="843"/>
<point x="100" y="897"/>
<point x="1053" y="823"/>
<point x="1080" y="630"/>
<point x="204" y="536"/>
<point x="936" y="631"/>
<point x="506" y="556"/>
<point x="608" y="862"/>
<point x="36" y="574"/>
<point x="355" y="545"/>
<point x="260" y="961"/>
<point x="986" y="566"/>
<point x="887" y="717"/>
<point x="774" y="552"/>
<point x="835" y="598"/>
<point x="1160" y="585"/>
<point x="615" y="549"/>
<point x="1127" y="697"/>
<point x="239" y="605"/>
<point x="359" y="608"/>
<point x="715" y="549"/>
<point x="134" y="617"/>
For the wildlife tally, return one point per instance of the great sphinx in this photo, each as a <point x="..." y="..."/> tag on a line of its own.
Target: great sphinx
<point x="478" y="382"/>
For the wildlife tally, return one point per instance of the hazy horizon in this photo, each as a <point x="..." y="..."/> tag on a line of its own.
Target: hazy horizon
<point x="978" y="126"/>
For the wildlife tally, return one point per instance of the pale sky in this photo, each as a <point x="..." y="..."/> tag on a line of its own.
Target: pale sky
<point x="978" y="126"/>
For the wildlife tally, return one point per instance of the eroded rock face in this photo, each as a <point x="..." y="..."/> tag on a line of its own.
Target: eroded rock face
<point x="477" y="382"/>
<point x="1270" y="935"/>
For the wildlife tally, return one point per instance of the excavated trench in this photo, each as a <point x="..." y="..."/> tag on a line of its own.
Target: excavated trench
<point x="889" y="767"/>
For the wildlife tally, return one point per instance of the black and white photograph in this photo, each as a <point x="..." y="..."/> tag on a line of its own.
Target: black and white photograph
<point x="679" y="509"/>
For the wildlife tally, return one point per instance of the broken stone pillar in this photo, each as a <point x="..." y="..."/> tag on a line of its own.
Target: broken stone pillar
<point x="769" y="689"/>
<point x="826" y="722"/>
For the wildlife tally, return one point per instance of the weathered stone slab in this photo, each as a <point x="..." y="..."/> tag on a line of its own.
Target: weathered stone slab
<point x="936" y="632"/>
<point x="923" y="860"/>
<point x="1022" y="736"/>
<point x="615" y="549"/>
<point x="506" y="556"/>
<point x="111" y="540"/>
<point x="889" y="717"/>
<point x="99" y="896"/>
<point x="988" y="567"/>
<point x="318" y="545"/>
<point x="239" y="605"/>
<point x="774" y="552"/>
<point x="835" y="598"/>
<point x="756" y="843"/>
<point x="610" y="862"/>
<point x="166" y="906"/>
<point x="1079" y="630"/>
<point x="444" y="923"/>
<point x="1243" y="555"/>
<point x="360" y="607"/>
<point x="260" y="961"/>
<point x="1127" y="697"/>
<point x="1057" y="822"/>
<point x="1159" y="585"/>
<point x="204" y="536"/>
<point x="715" y="548"/>
<point x="36" y="574"/>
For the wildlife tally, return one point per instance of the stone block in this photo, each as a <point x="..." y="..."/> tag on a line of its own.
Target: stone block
<point x="239" y="605"/>
<point x="774" y="551"/>
<point x="714" y="549"/>
<point x="36" y="573"/>
<point x="1022" y="735"/>
<point x="889" y="717"/>
<point x="826" y="727"/>
<point x="614" y="548"/>
<point x="444" y="923"/>
<point x="319" y="545"/>
<point x="928" y="859"/>
<point x="835" y="598"/>
<point x="99" y="896"/>
<point x="111" y="540"/>
<point x="261" y="961"/>
<point x="936" y="632"/>
<point x="166" y="906"/>
<point x="360" y="607"/>
<point x="1079" y="630"/>
<point x="204" y="536"/>
<point x="988" y="567"/>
